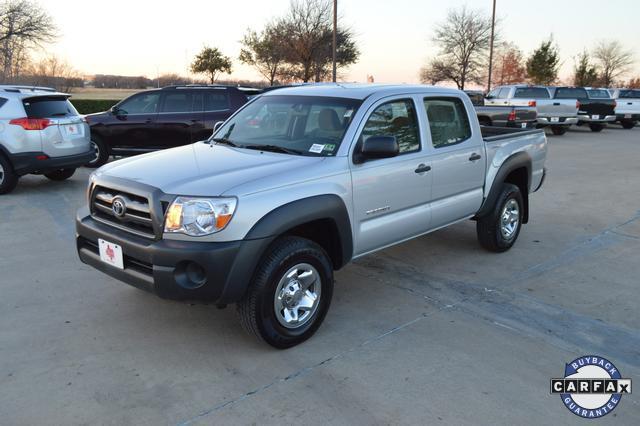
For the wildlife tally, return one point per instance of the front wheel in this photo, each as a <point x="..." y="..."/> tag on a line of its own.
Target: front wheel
<point x="596" y="127"/>
<point x="558" y="130"/>
<point x="498" y="230"/>
<point x="290" y="293"/>
<point x="61" y="174"/>
<point x="628" y="124"/>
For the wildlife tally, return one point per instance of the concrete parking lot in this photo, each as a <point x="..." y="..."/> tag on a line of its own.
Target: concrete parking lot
<point x="433" y="331"/>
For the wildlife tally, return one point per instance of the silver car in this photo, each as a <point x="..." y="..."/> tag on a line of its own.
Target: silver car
<point x="40" y="133"/>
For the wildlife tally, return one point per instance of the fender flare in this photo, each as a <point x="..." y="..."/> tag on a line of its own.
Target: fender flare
<point x="281" y="219"/>
<point x="515" y="161"/>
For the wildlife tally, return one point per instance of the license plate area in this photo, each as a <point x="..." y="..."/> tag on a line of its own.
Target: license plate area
<point x="111" y="253"/>
<point x="627" y="116"/>
<point x="555" y="119"/>
<point x="523" y="125"/>
<point x="595" y="117"/>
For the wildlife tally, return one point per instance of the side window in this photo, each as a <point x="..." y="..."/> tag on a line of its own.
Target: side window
<point x="493" y="93"/>
<point x="216" y="100"/>
<point x="143" y="103"/>
<point x="177" y="101"/>
<point x="448" y="121"/>
<point x="395" y="118"/>
<point x="2" y="101"/>
<point x="504" y="93"/>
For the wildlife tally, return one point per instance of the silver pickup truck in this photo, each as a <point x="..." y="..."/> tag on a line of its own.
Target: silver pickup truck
<point x="295" y="185"/>
<point x="558" y="114"/>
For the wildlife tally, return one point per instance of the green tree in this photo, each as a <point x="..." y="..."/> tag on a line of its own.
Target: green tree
<point x="212" y="62"/>
<point x="543" y="64"/>
<point x="265" y="51"/>
<point x="584" y="73"/>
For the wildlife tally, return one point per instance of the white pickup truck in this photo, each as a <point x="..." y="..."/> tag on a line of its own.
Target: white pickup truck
<point x="558" y="114"/>
<point x="627" y="106"/>
<point x="295" y="185"/>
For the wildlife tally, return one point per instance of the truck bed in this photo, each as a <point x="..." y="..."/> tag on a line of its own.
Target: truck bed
<point x="492" y="133"/>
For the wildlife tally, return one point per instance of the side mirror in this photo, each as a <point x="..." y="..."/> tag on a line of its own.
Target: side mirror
<point x="489" y="97"/>
<point x="376" y="147"/>
<point x="116" y="111"/>
<point x="217" y="126"/>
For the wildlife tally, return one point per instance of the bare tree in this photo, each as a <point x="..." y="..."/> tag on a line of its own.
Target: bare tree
<point x="52" y="71"/>
<point x="464" y="39"/>
<point x="23" y="25"/>
<point x="613" y="60"/>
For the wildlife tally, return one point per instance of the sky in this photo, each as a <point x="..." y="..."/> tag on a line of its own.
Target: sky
<point x="151" y="37"/>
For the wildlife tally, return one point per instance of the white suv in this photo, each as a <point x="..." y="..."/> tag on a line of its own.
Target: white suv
<point x="40" y="133"/>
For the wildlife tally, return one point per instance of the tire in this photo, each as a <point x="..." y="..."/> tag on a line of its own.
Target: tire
<point x="102" y="153"/>
<point x="59" y="175"/>
<point x="628" y="124"/>
<point x="596" y="127"/>
<point x="8" y="178"/>
<point x="492" y="232"/>
<point x="267" y="316"/>
<point x="558" y="130"/>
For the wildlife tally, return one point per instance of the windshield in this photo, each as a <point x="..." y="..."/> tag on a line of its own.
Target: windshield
<point x="598" y="94"/>
<point x="630" y="93"/>
<point x="308" y="125"/>
<point x="570" y="93"/>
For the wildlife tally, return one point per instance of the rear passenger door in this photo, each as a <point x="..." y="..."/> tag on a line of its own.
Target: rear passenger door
<point x="458" y="160"/>
<point x="180" y="113"/>
<point x="391" y="195"/>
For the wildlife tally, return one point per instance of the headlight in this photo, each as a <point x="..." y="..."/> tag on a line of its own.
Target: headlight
<point x="199" y="216"/>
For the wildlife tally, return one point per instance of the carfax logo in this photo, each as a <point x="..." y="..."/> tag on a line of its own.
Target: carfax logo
<point x="592" y="386"/>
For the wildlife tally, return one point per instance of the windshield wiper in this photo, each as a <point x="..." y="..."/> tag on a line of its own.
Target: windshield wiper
<point x="223" y="141"/>
<point x="274" y="148"/>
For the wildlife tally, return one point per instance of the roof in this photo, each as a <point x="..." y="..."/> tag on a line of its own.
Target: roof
<point x="20" y="91"/>
<point x="356" y="90"/>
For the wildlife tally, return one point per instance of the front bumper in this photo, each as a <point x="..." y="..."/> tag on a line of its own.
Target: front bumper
<point x="165" y="267"/>
<point x="601" y="119"/>
<point x="562" y="121"/>
<point x="38" y="162"/>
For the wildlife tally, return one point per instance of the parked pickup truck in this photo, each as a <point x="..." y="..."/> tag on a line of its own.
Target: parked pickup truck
<point x="522" y="117"/>
<point x="558" y="114"/>
<point x="596" y="112"/>
<point x="627" y="106"/>
<point x="295" y="185"/>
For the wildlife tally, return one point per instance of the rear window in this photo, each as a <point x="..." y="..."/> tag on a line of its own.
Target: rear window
<point x="598" y="94"/>
<point x="569" y="93"/>
<point x="48" y="106"/>
<point x="531" y="93"/>
<point x="630" y="94"/>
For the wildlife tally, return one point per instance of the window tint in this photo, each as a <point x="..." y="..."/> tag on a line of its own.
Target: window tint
<point x="598" y="94"/>
<point x="216" y="100"/>
<point x="395" y="118"/>
<point x="629" y="94"/>
<point x="143" y="103"/>
<point x="47" y="107"/>
<point x="2" y="101"/>
<point x="177" y="102"/>
<point x="570" y="93"/>
<point x="531" y="93"/>
<point x="448" y="121"/>
<point x="504" y="93"/>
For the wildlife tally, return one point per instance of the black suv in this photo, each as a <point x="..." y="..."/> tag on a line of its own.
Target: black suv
<point x="161" y="118"/>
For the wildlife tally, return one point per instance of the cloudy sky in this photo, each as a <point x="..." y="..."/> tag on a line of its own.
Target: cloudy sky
<point x="146" y="37"/>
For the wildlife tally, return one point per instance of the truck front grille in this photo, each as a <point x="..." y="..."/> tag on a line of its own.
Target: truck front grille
<point x="134" y="218"/>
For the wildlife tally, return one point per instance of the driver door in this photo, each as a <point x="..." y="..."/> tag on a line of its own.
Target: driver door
<point x="134" y="125"/>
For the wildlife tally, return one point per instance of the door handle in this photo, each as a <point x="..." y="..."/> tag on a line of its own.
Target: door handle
<point x="475" y="157"/>
<point x="422" y="168"/>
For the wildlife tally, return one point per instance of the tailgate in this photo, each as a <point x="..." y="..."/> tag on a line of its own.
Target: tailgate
<point x="600" y="107"/>
<point x="556" y="108"/>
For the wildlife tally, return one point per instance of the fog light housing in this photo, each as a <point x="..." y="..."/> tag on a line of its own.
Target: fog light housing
<point x="190" y="275"/>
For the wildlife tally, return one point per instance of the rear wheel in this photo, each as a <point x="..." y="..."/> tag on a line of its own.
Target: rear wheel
<point x="290" y="293"/>
<point x="499" y="229"/>
<point x="558" y="130"/>
<point x="101" y="153"/>
<point x="595" y="127"/>
<point x="62" y="174"/>
<point x="628" y="124"/>
<point x="8" y="178"/>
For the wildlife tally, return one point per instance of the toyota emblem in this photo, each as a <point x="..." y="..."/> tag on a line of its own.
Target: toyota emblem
<point x="119" y="207"/>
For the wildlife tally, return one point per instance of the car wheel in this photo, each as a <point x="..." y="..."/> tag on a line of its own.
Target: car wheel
<point x="558" y="130"/>
<point x="628" y="124"/>
<point x="8" y="178"/>
<point x="102" y="153"/>
<point x="289" y="294"/>
<point x="62" y="174"/>
<point x="499" y="229"/>
<point x="596" y="127"/>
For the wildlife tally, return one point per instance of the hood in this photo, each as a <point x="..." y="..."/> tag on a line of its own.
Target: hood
<point x="201" y="169"/>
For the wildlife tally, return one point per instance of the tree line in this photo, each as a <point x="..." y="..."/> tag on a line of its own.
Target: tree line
<point x="464" y="40"/>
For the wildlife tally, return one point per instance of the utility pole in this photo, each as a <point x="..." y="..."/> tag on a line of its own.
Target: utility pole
<point x="335" y="31"/>
<point x="493" y="24"/>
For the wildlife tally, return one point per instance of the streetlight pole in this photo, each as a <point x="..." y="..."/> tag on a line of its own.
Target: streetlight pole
<point x="335" y="31"/>
<point x="493" y="24"/>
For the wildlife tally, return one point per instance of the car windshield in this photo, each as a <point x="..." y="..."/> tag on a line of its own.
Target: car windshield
<point x="634" y="94"/>
<point x="598" y="94"/>
<point x="570" y="93"/>
<point x="306" y="125"/>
